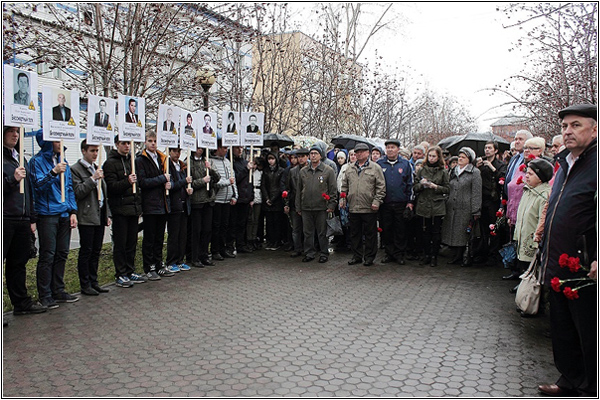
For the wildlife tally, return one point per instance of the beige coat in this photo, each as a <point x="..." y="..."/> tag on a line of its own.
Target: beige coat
<point x="365" y="189"/>
<point x="531" y="209"/>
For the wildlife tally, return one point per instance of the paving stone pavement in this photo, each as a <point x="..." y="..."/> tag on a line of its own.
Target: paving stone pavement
<point x="265" y="324"/>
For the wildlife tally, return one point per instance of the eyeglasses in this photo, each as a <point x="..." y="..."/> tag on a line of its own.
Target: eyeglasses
<point x="531" y="148"/>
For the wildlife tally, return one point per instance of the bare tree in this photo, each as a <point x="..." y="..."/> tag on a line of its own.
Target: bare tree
<point x="562" y="67"/>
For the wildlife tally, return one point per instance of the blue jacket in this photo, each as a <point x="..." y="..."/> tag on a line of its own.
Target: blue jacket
<point x="398" y="180"/>
<point x="46" y="185"/>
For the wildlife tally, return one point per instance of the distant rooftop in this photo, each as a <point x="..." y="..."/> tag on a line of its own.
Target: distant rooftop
<point x="509" y="120"/>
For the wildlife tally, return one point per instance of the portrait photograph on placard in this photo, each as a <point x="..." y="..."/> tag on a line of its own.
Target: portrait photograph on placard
<point x="208" y="130"/>
<point x="230" y="128"/>
<point x="167" y="126"/>
<point x="60" y="114"/>
<point x="252" y="123"/>
<point x="132" y="117"/>
<point x="188" y="138"/>
<point x="101" y="120"/>
<point x="20" y="97"/>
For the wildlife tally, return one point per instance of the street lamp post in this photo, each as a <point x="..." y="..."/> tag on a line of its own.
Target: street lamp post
<point x="206" y="77"/>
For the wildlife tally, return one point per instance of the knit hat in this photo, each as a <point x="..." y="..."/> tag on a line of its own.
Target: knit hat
<point x="467" y="151"/>
<point x="316" y="148"/>
<point x="542" y="168"/>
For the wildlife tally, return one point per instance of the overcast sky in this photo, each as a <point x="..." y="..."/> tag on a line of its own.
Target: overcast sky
<point x="459" y="48"/>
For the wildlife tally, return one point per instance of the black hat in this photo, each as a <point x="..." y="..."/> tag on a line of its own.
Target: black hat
<point x="542" y="168"/>
<point x="316" y="147"/>
<point x="585" y="110"/>
<point x="395" y="142"/>
<point x="361" y="146"/>
<point x="302" y="152"/>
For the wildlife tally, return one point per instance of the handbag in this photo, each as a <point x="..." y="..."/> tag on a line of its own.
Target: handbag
<point x="334" y="225"/>
<point x="528" y="293"/>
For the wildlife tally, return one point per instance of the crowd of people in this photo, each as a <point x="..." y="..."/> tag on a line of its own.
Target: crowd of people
<point x="409" y="204"/>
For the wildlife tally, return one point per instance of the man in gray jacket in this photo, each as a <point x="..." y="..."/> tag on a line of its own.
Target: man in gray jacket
<point x="92" y="214"/>
<point x="315" y="197"/>
<point x="227" y="195"/>
<point x="364" y="185"/>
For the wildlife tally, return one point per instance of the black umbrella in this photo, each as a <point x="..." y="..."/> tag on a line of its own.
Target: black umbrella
<point x="278" y="139"/>
<point x="445" y="142"/>
<point x="476" y="141"/>
<point x="350" y="141"/>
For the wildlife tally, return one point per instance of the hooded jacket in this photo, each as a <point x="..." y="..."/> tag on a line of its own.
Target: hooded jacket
<point x="121" y="199"/>
<point x="202" y="196"/>
<point x="46" y="185"/>
<point x="242" y="174"/>
<point x="225" y="189"/>
<point x="179" y="200"/>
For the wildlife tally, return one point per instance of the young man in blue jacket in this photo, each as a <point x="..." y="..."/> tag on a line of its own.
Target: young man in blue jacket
<point x="55" y="221"/>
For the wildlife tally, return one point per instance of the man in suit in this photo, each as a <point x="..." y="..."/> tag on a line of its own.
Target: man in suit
<point x="207" y="128"/>
<point x="92" y="214"/>
<point x="131" y="116"/>
<point x="101" y="118"/>
<point x="252" y="128"/>
<point x="61" y="112"/>
<point x="189" y="129"/>
<point x="22" y="95"/>
<point x="169" y="125"/>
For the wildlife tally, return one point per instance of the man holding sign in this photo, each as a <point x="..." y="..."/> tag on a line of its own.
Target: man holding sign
<point x="18" y="217"/>
<point x="55" y="221"/>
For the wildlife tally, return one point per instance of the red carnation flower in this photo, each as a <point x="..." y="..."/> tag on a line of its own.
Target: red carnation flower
<point x="563" y="260"/>
<point x="570" y="293"/>
<point x="499" y="213"/>
<point x="519" y="180"/>
<point x="284" y="194"/>
<point x="555" y="282"/>
<point x="504" y="202"/>
<point x="492" y="227"/>
<point x="574" y="264"/>
<point x="326" y="196"/>
<point x="492" y="233"/>
<point x="343" y="195"/>
<point x="531" y="157"/>
<point x="379" y="230"/>
<point x="522" y="167"/>
<point x="501" y="181"/>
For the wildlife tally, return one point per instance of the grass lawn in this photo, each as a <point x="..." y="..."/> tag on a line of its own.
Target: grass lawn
<point x="106" y="271"/>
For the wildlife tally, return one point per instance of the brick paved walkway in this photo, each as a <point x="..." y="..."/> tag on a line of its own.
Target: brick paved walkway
<point x="268" y="325"/>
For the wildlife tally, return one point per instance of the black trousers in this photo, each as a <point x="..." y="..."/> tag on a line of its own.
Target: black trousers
<point x="177" y="225"/>
<point x="152" y="243"/>
<point x="432" y="234"/>
<point x="238" y="220"/>
<point x="200" y="226"/>
<point x="90" y="241"/>
<point x="274" y="225"/>
<point x="54" y="233"/>
<point x="220" y="227"/>
<point x="573" y="325"/>
<point x="17" y="239"/>
<point x="393" y="229"/>
<point x="491" y="244"/>
<point x="363" y="225"/>
<point x="124" y="235"/>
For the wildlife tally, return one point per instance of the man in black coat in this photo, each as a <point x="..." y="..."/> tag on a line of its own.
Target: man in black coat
<point x="125" y="207"/>
<point x="18" y="223"/>
<point x="570" y="231"/>
<point x="238" y="217"/>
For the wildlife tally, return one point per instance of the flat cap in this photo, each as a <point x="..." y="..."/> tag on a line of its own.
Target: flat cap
<point x="584" y="110"/>
<point x="302" y="152"/>
<point x="361" y="146"/>
<point x="395" y="142"/>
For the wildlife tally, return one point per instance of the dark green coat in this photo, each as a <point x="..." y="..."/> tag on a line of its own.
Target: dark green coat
<point x="431" y="202"/>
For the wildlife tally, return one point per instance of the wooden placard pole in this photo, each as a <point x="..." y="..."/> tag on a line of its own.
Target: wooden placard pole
<point x="167" y="161"/>
<point x="251" y="160"/>
<point x="189" y="169"/>
<point x="131" y="151"/>
<point x="207" y="173"/>
<point x="100" y="166"/>
<point x="62" y="174"/>
<point x="21" y="157"/>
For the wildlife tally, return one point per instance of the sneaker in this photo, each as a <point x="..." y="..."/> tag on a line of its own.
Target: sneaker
<point x="153" y="276"/>
<point x="33" y="308"/>
<point x="164" y="272"/>
<point x="123" y="281"/>
<point x="173" y="268"/>
<point x="65" y="298"/>
<point x="137" y="278"/>
<point x="184" y="267"/>
<point x="50" y="303"/>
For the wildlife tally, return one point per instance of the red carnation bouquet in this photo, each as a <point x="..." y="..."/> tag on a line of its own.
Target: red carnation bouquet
<point x="500" y="220"/>
<point x="574" y="265"/>
<point x="343" y="195"/>
<point x="284" y="194"/>
<point x="325" y="196"/>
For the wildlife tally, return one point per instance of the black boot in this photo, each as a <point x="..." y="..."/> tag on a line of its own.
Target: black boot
<point x="456" y="256"/>
<point x="426" y="260"/>
<point x="433" y="261"/>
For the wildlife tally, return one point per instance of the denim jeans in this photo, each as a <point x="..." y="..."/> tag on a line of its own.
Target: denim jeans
<point x="55" y="237"/>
